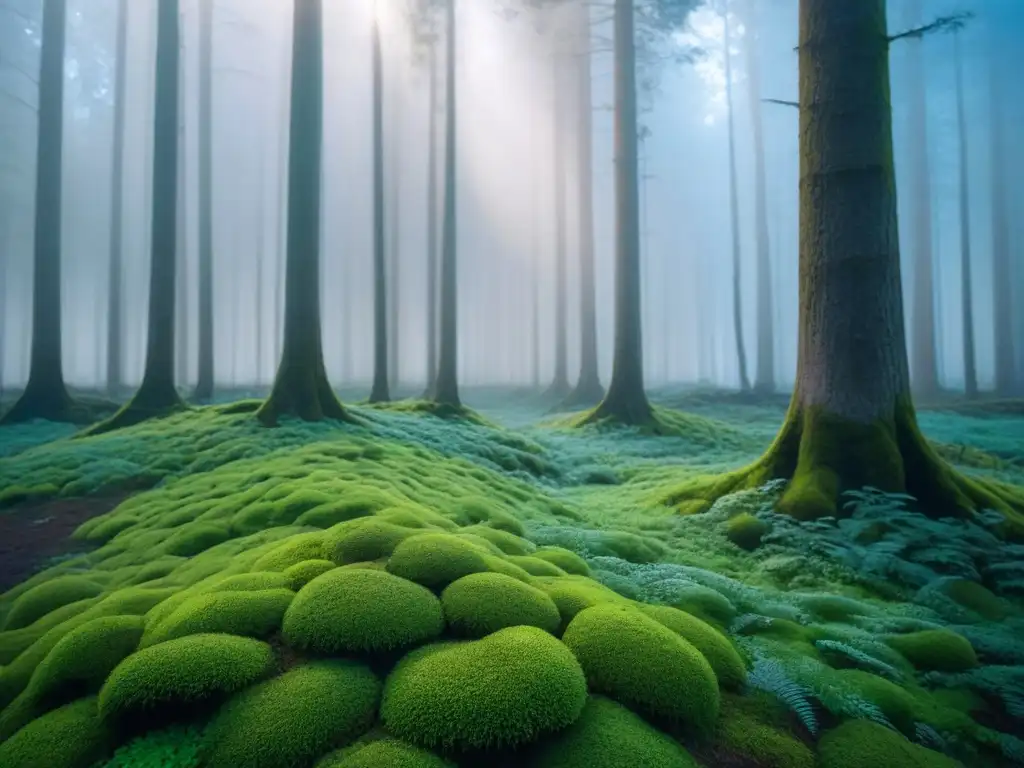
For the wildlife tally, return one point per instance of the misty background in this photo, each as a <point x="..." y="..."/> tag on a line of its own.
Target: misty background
<point x="506" y="187"/>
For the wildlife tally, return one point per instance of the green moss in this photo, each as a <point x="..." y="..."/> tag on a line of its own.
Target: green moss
<point x="508" y="543"/>
<point x="975" y="597"/>
<point x="195" y="538"/>
<point x="49" y="596"/>
<point x="504" y="565"/>
<point x="250" y="582"/>
<point x="69" y="737"/>
<point x="351" y="507"/>
<point x="833" y="607"/>
<point x="645" y="666"/>
<point x="293" y="550"/>
<point x="300" y="574"/>
<point x="575" y="593"/>
<point x="536" y="566"/>
<point x="383" y="753"/>
<point x="416" y="517"/>
<point x="182" y="673"/>
<point x="435" y="560"/>
<point x="364" y="539"/>
<point x="13" y="642"/>
<point x="713" y="645"/>
<point x="482" y="603"/>
<point x="360" y="610"/>
<point x="705" y="603"/>
<point x="295" y="718"/>
<point x="746" y="531"/>
<point x="607" y="735"/>
<point x="510" y="688"/>
<point x="473" y="510"/>
<point x="935" y="649"/>
<point x="248" y="614"/>
<point x="896" y="704"/>
<point x="864" y="744"/>
<point x="741" y="734"/>
<point x="174" y="747"/>
<point x="568" y="561"/>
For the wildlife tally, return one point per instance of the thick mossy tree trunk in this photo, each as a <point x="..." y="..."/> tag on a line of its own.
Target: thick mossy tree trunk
<point x="301" y="387"/>
<point x="1002" y="268"/>
<point x="734" y="218"/>
<point x="588" y="390"/>
<point x="432" y="214"/>
<point x="380" y="392"/>
<point x="157" y="395"/>
<point x="115" y="334"/>
<point x="966" y="266"/>
<point x="45" y="396"/>
<point x="851" y="422"/>
<point x="626" y="401"/>
<point x="764" y="377"/>
<point x="446" y="383"/>
<point x="206" y="372"/>
<point x="560" y="386"/>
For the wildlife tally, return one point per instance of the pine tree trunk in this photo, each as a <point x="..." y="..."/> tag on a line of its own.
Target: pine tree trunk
<point x="446" y="385"/>
<point x="45" y="396"/>
<point x="395" y="237"/>
<point x="115" y="333"/>
<point x="206" y="373"/>
<point x="764" y="379"/>
<point x="588" y="390"/>
<point x="301" y="387"/>
<point x="380" y="392"/>
<point x="432" y="216"/>
<point x="181" y="310"/>
<point x="560" y="384"/>
<point x="966" y="289"/>
<point x="1002" y="269"/>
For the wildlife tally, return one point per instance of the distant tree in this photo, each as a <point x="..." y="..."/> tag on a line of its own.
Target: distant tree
<point x="851" y="421"/>
<point x="560" y="384"/>
<point x="395" y="234"/>
<point x="301" y="387"/>
<point x="966" y="283"/>
<point x="45" y="395"/>
<point x="432" y="221"/>
<point x="206" y="372"/>
<point x="1002" y="267"/>
<point x="380" y="392"/>
<point x="115" y="331"/>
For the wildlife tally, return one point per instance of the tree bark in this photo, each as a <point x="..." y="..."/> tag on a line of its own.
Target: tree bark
<point x="45" y="395"/>
<point x="301" y="387"/>
<point x="560" y="384"/>
<point x="588" y="390"/>
<point x="734" y="218"/>
<point x="432" y="216"/>
<point x="380" y="391"/>
<point x="851" y="421"/>
<point x="395" y="236"/>
<point x="446" y="385"/>
<point x="115" y="333"/>
<point x="207" y="371"/>
<point x="1002" y="268"/>
<point x="764" y="378"/>
<point x="181" y="310"/>
<point x="966" y="289"/>
<point x="626" y="401"/>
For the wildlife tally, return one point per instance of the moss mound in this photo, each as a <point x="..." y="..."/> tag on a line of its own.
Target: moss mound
<point x="645" y="666"/>
<point x="536" y="566"/>
<point x="435" y="560"/>
<point x="482" y="603"/>
<point x="182" y="673"/>
<point x="721" y="654"/>
<point x="295" y="718"/>
<point x="935" y="649"/>
<point x="746" y="531"/>
<point x="364" y="539"/>
<point x="69" y="737"/>
<point x="509" y="688"/>
<point x="975" y="597"/>
<point x="576" y="593"/>
<point x="607" y="735"/>
<point x="294" y="549"/>
<point x="358" y="610"/>
<point x="384" y="753"/>
<point x="35" y="603"/>
<point x="196" y="538"/>
<point x="864" y="744"/>
<point x="248" y="614"/>
<point x="743" y="734"/>
<point x="477" y="509"/>
<point x="300" y="574"/>
<point x="565" y="559"/>
<point x="508" y="543"/>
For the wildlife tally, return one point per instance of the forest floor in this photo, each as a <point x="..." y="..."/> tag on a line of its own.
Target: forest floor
<point x="882" y="633"/>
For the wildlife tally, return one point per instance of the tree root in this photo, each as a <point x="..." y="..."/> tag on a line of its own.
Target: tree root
<point x="586" y="394"/>
<point x="152" y="401"/>
<point x="303" y="392"/>
<point x="50" y="403"/>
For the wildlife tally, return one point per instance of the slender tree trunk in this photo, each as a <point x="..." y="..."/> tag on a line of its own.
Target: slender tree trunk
<point x="966" y="290"/>
<point x="626" y="401"/>
<point x="432" y="217"/>
<point x="734" y="218"/>
<point x="380" y="392"/>
<point x="1002" y="269"/>
<point x="764" y="379"/>
<point x="560" y="385"/>
<point x="588" y="390"/>
<point x="535" y="255"/>
<point x="45" y="396"/>
<point x="301" y="387"/>
<point x="207" y="373"/>
<point x="115" y="333"/>
<point x="181" y="310"/>
<point x="261" y="255"/>
<point x="446" y="386"/>
<point x="395" y="238"/>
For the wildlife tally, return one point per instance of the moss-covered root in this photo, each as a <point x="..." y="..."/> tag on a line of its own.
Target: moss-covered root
<point x="823" y="456"/>
<point x="587" y="393"/>
<point x="52" y="403"/>
<point x="152" y="401"/>
<point x="302" y="391"/>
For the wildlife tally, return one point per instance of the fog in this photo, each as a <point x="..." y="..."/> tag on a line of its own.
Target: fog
<point x="506" y="193"/>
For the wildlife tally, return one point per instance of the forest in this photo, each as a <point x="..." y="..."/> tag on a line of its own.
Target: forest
<point x="493" y="383"/>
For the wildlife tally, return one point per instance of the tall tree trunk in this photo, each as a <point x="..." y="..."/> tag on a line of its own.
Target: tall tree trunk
<point x="851" y="421"/>
<point x="626" y="401"/>
<point x="1002" y="269"/>
<point x="181" y="310"/>
<point x="560" y="384"/>
<point x="734" y="217"/>
<point x="380" y="392"/>
<point x="207" y="373"/>
<point x="301" y="387"/>
<point x="45" y="396"/>
<point x="115" y="333"/>
<point x="432" y="216"/>
<point x="966" y="294"/>
<point x="446" y="385"/>
<point x="395" y="237"/>
<point x="535" y="255"/>
<point x="764" y="378"/>
<point x="588" y="390"/>
<point x="261" y="254"/>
